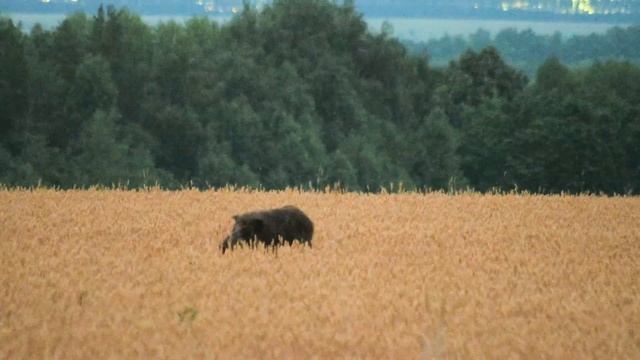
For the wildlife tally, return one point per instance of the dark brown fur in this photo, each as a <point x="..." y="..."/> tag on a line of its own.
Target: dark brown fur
<point x="270" y="228"/>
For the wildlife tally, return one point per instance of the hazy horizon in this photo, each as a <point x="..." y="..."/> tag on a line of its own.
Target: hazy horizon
<point x="413" y="29"/>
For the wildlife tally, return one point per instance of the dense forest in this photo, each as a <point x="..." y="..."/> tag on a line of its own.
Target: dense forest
<point x="301" y="94"/>
<point x="527" y="50"/>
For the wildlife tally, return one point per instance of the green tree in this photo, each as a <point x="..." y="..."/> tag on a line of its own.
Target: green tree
<point x="216" y="166"/>
<point x="13" y="78"/>
<point x="486" y="146"/>
<point x="7" y="166"/>
<point x="612" y="89"/>
<point x="179" y="136"/>
<point x="47" y="113"/>
<point x="473" y="79"/>
<point x="71" y="43"/>
<point x="340" y="172"/>
<point x="373" y="167"/>
<point x="93" y="87"/>
<point x="37" y="163"/>
<point x="103" y="156"/>
<point x="490" y="76"/>
<point x="170" y="64"/>
<point x="435" y="162"/>
<point x="126" y="42"/>
<point x="554" y="77"/>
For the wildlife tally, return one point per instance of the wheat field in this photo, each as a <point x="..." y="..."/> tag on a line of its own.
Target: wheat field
<point x="94" y="274"/>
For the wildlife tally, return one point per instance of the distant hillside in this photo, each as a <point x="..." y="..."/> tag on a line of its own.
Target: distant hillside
<point x="527" y="50"/>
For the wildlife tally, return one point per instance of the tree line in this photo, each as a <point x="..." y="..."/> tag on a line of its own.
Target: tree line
<point x="527" y="50"/>
<point x="301" y="94"/>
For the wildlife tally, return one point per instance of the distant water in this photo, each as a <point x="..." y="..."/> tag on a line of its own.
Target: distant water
<point x="417" y="29"/>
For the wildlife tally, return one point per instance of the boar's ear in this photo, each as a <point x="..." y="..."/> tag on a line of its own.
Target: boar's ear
<point x="235" y="217"/>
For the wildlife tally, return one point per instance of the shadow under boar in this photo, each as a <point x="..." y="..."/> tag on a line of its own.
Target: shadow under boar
<point x="270" y="228"/>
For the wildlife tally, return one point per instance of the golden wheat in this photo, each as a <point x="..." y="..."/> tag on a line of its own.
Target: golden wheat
<point x="122" y="274"/>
